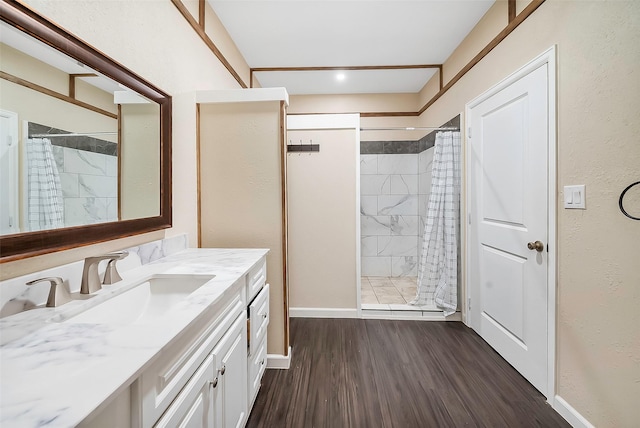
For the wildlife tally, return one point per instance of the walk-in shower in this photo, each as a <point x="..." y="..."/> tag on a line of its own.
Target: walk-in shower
<point x="395" y="183"/>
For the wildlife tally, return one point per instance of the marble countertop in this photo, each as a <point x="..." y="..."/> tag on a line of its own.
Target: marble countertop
<point x="56" y="374"/>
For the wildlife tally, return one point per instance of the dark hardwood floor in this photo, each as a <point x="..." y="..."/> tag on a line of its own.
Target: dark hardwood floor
<point x="401" y="374"/>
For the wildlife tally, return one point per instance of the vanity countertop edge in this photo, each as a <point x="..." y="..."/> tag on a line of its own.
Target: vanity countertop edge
<point x="57" y="374"/>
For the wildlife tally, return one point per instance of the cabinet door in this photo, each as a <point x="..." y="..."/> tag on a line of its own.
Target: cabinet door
<point x="230" y="396"/>
<point x="259" y="319"/>
<point x="193" y="407"/>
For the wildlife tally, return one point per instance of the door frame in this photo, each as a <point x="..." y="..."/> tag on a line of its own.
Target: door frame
<point x="549" y="58"/>
<point x="14" y="166"/>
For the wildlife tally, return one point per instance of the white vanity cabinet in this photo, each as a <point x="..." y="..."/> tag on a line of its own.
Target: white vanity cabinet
<point x="214" y="396"/>
<point x="194" y="405"/>
<point x="230" y="392"/>
<point x="258" y="313"/>
<point x="211" y="375"/>
<point x="162" y="389"/>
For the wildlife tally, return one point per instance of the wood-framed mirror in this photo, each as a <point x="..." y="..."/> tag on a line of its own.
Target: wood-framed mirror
<point x="133" y="140"/>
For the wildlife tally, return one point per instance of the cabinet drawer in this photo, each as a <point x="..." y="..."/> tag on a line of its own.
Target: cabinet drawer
<point x="259" y="317"/>
<point x="158" y="386"/>
<point x="256" y="278"/>
<point x="257" y="366"/>
<point x="194" y="405"/>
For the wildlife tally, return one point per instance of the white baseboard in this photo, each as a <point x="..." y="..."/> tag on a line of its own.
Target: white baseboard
<point x="575" y="419"/>
<point x="277" y="361"/>
<point x="323" y="313"/>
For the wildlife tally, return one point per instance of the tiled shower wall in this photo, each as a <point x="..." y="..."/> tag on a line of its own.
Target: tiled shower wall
<point x="89" y="186"/>
<point x="88" y="169"/>
<point x="395" y="183"/>
<point x="389" y="214"/>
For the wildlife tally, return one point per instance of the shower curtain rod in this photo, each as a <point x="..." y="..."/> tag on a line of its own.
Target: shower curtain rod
<point x="411" y="128"/>
<point x="72" y="134"/>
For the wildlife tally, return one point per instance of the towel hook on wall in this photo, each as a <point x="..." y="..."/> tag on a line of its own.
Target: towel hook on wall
<point x="620" y="201"/>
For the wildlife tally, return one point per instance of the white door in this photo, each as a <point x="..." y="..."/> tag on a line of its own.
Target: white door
<point x="8" y="173"/>
<point x="508" y="192"/>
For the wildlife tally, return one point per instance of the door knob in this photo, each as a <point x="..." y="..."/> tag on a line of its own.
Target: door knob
<point x="538" y="246"/>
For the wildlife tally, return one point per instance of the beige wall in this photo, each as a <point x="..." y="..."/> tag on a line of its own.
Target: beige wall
<point x="321" y="190"/>
<point x="153" y="39"/>
<point x="489" y="26"/>
<point x="37" y="107"/>
<point x="19" y="64"/>
<point x="362" y="103"/>
<point x="241" y="190"/>
<point x="352" y="103"/>
<point x="218" y="34"/>
<point x="34" y="106"/>
<point x="598" y="331"/>
<point x="140" y="161"/>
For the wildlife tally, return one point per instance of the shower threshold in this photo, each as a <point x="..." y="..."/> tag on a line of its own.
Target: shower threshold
<point x="388" y="298"/>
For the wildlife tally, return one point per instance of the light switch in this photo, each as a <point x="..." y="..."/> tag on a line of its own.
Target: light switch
<point x="575" y="197"/>
<point x="568" y="198"/>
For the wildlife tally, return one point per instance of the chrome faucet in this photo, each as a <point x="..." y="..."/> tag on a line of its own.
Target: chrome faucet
<point x="90" y="276"/>
<point x="58" y="293"/>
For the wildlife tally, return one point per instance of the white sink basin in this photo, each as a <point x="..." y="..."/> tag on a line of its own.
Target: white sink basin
<point x="144" y="302"/>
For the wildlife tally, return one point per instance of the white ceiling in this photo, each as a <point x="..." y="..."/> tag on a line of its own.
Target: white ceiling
<point x="331" y="33"/>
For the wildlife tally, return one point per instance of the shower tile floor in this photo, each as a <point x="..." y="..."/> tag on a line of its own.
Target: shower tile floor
<point x="384" y="293"/>
<point x="385" y="290"/>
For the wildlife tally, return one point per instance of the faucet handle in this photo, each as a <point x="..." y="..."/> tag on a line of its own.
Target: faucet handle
<point x="58" y="293"/>
<point x="111" y="275"/>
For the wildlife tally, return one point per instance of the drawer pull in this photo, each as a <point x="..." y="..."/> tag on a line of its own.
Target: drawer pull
<point x="213" y="383"/>
<point x="224" y="369"/>
<point x="262" y="362"/>
<point x="264" y="316"/>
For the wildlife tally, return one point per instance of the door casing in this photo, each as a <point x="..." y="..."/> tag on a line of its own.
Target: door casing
<point x="548" y="57"/>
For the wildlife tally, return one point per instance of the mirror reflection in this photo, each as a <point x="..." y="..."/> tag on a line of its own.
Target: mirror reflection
<point x="76" y="148"/>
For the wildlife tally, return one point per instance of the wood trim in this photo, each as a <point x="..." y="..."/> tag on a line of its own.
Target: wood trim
<point x="441" y="77"/>
<point x="389" y="114"/>
<point x="202" y="14"/>
<point x="119" y="162"/>
<point x="72" y="82"/>
<point x="207" y="40"/>
<point x="366" y="114"/>
<point x="484" y="52"/>
<point x="72" y="86"/>
<point x="34" y="86"/>
<point x="198" y="181"/>
<point x="512" y="10"/>
<point x="285" y="223"/>
<point x="348" y="67"/>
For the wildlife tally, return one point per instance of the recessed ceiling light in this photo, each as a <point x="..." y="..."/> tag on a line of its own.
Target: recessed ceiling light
<point x="340" y="76"/>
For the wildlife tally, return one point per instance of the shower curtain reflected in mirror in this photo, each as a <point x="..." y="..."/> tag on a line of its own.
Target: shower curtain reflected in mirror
<point x="44" y="193"/>
<point x="438" y="267"/>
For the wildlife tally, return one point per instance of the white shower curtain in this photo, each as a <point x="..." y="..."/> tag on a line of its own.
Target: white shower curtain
<point x="44" y="192"/>
<point x="438" y="269"/>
